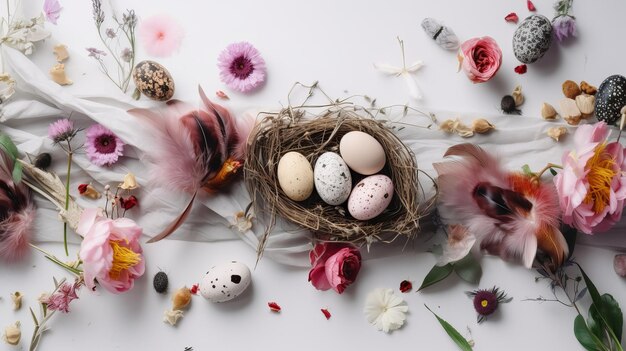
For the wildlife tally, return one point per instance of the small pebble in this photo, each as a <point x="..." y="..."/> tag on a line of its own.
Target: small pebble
<point x="508" y="105"/>
<point x="548" y="112"/>
<point x="160" y="282"/>
<point x="571" y="89"/>
<point x="588" y="88"/>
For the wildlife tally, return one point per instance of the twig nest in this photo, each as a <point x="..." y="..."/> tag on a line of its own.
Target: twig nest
<point x="569" y="111"/>
<point x="548" y="112"/>
<point x="571" y="89"/>
<point x="153" y="80"/>
<point x="556" y="132"/>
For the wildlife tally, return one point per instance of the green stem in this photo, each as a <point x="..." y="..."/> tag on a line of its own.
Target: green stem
<point x="55" y="260"/>
<point x="67" y="194"/>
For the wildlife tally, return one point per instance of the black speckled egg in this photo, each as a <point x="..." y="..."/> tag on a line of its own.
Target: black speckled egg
<point x="610" y="99"/>
<point x="532" y="38"/>
<point x="153" y="80"/>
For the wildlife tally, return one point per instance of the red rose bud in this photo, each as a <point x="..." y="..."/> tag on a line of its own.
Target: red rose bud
<point x="511" y="17"/>
<point x="82" y="188"/>
<point x="129" y="203"/>
<point x="521" y="69"/>
<point x="326" y="313"/>
<point x="274" y="307"/>
<point x="406" y="286"/>
<point x="531" y="6"/>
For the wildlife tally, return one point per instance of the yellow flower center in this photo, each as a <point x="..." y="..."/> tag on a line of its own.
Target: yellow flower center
<point x="484" y="303"/>
<point x="600" y="174"/>
<point x="123" y="259"/>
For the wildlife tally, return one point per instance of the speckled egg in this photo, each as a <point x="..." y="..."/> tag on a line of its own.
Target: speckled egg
<point x="532" y="38"/>
<point x="333" y="181"/>
<point x="370" y="197"/>
<point x="225" y="282"/>
<point x="362" y="153"/>
<point x="295" y="176"/>
<point x="153" y="80"/>
<point x="610" y="99"/>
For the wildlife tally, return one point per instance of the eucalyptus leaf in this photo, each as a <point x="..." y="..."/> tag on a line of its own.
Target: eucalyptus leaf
<point x="458" y="339"/>
<point x="436" y="274"/>
<point x="580" y="294"/>
<point x="468" y="269"/>
<point x="8" y="146"/>
<point x="17" y="173"/>
<point x="584" y="335"/>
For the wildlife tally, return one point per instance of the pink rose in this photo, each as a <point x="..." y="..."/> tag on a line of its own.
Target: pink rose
<point x="335" y="266"/>
<point x="480" y="58"/>
<point x="110" y="251"/>
<point x="592" y="184"/>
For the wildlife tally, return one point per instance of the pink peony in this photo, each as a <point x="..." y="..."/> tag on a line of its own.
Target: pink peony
<point x="161" y="35"/>
<point x="480" y="59"/>
<point x="592" y="184"/>
<point x="335" y="266"/>
<point x="110" y="251"/>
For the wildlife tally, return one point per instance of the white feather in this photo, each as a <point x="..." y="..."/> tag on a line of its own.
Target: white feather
<point x="414" y="90"/>
<point x="414" y="67"/>
<point x="389" y="69"/>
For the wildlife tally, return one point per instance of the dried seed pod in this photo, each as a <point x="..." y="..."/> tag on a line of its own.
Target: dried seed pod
<point x="548" y="112"/>
<point x="508" y="105"/>
<point x="13" y="333"/>
<point x="571" y="89"/>
<point x="60" y="51"/>
<point x="585" y="104"/>
<point x="181" y="298"/>
<point x="482" y="126"/>
<point x="588" y="88"/>
<point x="172" y="316"/>
<point x="43" y="161"/>
<point x="17" y="300"/>
<point x="569" y="111"/>
<point x="57" y="73"/>
<point x="518" y="96"/>
<point x="447" y="126"/>
<point x="556" y="132"/>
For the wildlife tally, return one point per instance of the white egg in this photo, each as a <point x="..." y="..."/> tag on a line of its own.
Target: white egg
<point x="362" y="153"/>
<point x="225" y="282"/>
<point x="370" y="197"/>
<point x="333" y="181"/>
<point x="295" y="176"/>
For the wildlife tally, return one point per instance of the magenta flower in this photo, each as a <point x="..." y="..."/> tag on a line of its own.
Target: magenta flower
<point x="334" y="266"/>
<point x="161" y="35"/>
<point x="592" y="184"/>
<point x="103" y="146"/>
<point x="564" y="27"/>
<point x="241" y="67"/>
<point x="486" y="302"/>
<point x="61" y="299"/>
<point x="61" y="130"/>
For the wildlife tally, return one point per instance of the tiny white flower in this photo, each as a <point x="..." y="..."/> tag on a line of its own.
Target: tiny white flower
<point x="384" y="310"/>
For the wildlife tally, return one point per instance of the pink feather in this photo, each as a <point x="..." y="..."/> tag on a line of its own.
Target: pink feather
<point x="17" y="213"/>
<point x="509" y="214"/>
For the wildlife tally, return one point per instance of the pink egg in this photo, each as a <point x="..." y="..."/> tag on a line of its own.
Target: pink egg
<point x="370" y="197"/>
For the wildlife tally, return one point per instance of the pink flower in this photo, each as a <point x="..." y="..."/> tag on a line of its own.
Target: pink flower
<point x="241" y="67"/>
<point x="61" y="130"/>
<point x="592" y="184"/>
<point x="335" y="266"/>
<point x="52" y="9"/>
<point x="61" y="299"/>
<point x="161" y="35"/>
<point x="480" y="58"/>
<point x="102" y="146"/>
<point x="110" y="251"/>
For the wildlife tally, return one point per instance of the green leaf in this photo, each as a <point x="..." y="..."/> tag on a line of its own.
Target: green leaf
<point x="436" y="274"/>
<point x="553" y="172"/>
<point x="458" y="339"/>
<point x="612" y="315"/>
<point x="17" y="172"/>
<point x="585" y="337"/>
<point x="468" y="268"/>
<point x="8" y="146"/>
<point x="527" y="171"/>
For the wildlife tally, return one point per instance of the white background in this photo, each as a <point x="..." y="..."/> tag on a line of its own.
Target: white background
<point x="335" y="43"/>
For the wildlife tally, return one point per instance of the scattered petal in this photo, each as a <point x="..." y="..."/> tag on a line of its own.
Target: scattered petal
<point x="52" y="9"/>
<point x="57" y="74"/>
<point x="384" y="310"/>
<point x="130" y="182"/>
<point x="511" y="17"/>
<point x="326" y="313"/>
<point x="17" y="300"/>
<point x="406" y="286"/>
<point x="557" y="132"/>
<point x="531" y="6"/>
<point x="13" y="334"/>
<point x="194" y="289"/>
<point x="88" y="191"/>
<point x="60" y="51"/>
<point x="521" y="69"/>
<point x="274" y="307"/>
<point x="222" y="95"/>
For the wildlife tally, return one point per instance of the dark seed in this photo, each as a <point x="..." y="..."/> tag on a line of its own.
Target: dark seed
<point x="43" y="161"/>
<point x="160" y="282"/>
<point x="508" y="105"/>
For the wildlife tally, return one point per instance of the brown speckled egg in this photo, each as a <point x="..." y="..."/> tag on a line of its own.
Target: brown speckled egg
<point x="153" y="80"/>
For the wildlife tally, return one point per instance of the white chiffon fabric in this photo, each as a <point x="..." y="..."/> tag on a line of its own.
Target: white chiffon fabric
<point x="38" y="101"/>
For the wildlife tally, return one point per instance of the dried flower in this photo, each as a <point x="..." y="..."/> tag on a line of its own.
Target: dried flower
<point x="95" y="53"/>
<point x="110" y="32"/>
<point x="103" y="146"/>
<point x="459" y="244"/>
<point x="241" y="67"/>
<point x="518" y="96"/>
<point x="548" y="112"/>
<point x="62" y="130"/>
<point x="87" y="190"/>
<point x="98" y="14"/>
<point x="61" y="299"/>
<point x="521" y="69"/>
<point x="60" y="51"/>
<point x="129" y="19"/>
<point x="7" y="87"/>
<point x="571" y="89"/>
<point x="274" y="307"/>
<point x="12" y="334"/>
<point x="384" y="310"/>
<point x="406" y="286"/>
<point x="486" y="301"/>
<point x="130" y="182"/>
<point x="588" y="88"/>
<point x="129" y="202"/>
<point x="161" y="35"/>
<point x="482" y="126"/>
<point x="16" y="297"/>
<point x="511" y="17"/>
<point x="243" y="222"/>
<point x="57" y="74"/>
<point x="564" y="27"/>
<point x="181" y="298"/>
<point x="52" y="9"/>
<point x="456" y="126"/>
<point x="172" y="316"/>
<point x="326" y="313"/>
<point x="556" y="132"/>
<point x="127" y="55"/>
<point x="531" y="6"/>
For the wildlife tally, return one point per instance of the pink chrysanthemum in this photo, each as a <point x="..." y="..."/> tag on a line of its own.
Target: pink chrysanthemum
<point x="103" y="146"/>
<point x="161" y="35"/>
<point x="61" y="130"/>
<point x="241" y="67"/>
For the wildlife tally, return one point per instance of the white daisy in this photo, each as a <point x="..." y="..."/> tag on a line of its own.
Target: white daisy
<point x="384" y="310"/>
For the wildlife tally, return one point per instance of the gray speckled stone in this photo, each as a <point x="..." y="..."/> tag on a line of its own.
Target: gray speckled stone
<point x="610" y="99"/>
<point x="532" y="38"/>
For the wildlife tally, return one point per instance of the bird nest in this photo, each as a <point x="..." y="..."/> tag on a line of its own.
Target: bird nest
<point x="294" y="129"/>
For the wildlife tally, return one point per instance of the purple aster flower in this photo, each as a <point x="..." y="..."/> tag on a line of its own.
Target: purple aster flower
<point x="103" y="146"/>
<point x="486" y="301"/>
<point x="62" y="130"/>
<point x="241" y="67"/>
<point x="564" y="27"/>
<point x="111" y="33"/>
<point x="95" y="53"/>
